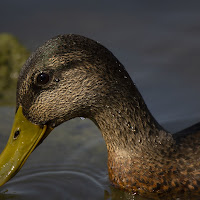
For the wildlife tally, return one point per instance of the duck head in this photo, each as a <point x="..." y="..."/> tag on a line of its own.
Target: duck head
<point x="69" y="76"/>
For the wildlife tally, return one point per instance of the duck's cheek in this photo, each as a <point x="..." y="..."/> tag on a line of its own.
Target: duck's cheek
<point x="25" y="137"/>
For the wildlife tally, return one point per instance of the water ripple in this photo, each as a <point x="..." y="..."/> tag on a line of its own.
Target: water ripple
<point x="56" y="182"/>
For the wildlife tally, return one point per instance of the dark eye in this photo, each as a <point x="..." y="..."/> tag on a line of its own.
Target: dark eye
<point x="42" y="78"/>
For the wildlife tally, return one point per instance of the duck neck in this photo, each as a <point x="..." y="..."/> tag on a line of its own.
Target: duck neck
<point x="136" y="143"/>
<point x="126" y="123"/>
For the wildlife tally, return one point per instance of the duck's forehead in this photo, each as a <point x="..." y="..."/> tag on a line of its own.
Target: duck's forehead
<point x="46" y="52"/>
<point x="67" y="57"/>
<point x="46" y="55"/>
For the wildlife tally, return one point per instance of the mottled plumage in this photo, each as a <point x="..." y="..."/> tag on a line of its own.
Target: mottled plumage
<point x="85" y="79"/>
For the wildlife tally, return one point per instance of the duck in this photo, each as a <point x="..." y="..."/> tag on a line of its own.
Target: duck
<point x="73" y="76"/>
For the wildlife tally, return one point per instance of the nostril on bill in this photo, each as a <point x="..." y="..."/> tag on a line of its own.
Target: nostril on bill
<point x="16" y="134"/>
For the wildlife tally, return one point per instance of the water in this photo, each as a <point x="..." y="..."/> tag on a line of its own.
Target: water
<point x="56" y="182"/>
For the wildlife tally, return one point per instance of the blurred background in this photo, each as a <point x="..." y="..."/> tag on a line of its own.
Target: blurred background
<point x="158" y="43"/>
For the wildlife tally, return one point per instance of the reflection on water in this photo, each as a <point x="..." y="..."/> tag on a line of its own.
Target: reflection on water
<point x="63" y="182"/>
<point x="57" y="182"/>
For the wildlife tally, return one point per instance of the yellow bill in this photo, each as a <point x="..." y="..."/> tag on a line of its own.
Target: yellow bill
<point x="24" y="138"/>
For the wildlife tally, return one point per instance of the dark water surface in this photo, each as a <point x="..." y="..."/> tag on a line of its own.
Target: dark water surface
<point x="159" y="44"/>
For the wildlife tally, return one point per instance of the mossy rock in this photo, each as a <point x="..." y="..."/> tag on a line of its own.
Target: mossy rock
<point x="12" y="56"/>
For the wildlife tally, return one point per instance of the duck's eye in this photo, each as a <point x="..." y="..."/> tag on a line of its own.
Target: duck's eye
<point x="42" y="78"/>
